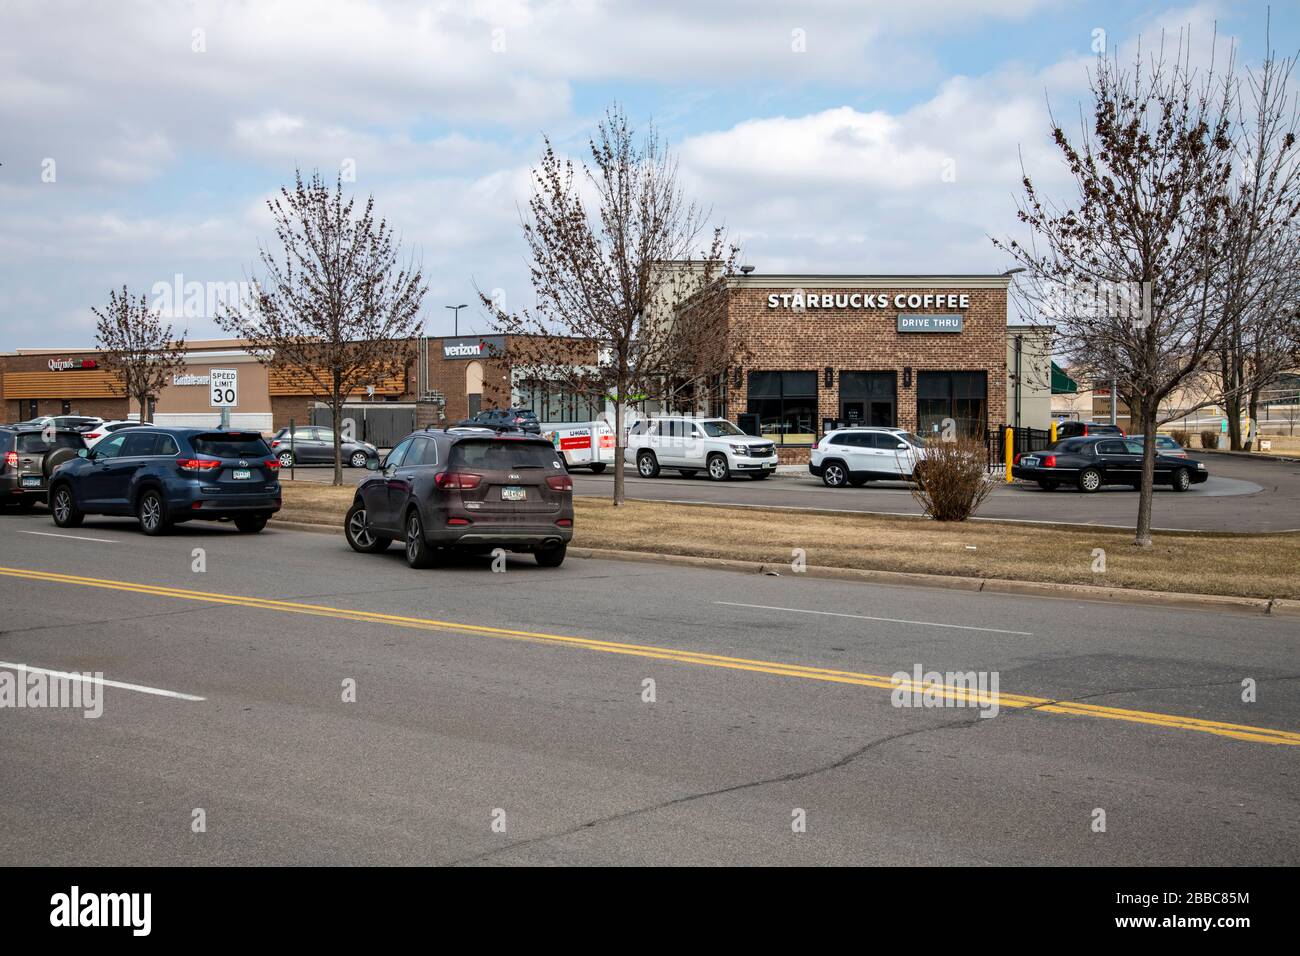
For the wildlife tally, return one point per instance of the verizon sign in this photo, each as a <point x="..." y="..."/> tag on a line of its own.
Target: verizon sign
<point x="486" y="347"/>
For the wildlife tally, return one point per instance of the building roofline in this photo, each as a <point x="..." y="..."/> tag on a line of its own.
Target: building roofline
<point x="878" y="280"/>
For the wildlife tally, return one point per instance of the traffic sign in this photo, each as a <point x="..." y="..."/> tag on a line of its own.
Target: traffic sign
<point x="223" y="387"/>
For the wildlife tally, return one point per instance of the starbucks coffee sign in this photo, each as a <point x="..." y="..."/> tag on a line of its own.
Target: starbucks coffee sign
<point x="807" y="301"/>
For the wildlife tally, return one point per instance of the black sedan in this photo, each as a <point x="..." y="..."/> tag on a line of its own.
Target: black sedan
<point x="1088" y="463"/>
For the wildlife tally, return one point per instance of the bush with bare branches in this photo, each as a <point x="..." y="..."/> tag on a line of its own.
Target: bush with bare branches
<point x="954" y="479"/>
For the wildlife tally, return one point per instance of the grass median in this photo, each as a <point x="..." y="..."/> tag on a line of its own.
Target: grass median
<point x="1243" y="565"/>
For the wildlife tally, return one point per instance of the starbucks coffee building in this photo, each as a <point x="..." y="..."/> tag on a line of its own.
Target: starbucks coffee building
<point x="824" y="351"/>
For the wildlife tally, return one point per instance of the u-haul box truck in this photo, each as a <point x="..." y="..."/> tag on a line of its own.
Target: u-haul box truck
<point x="582" y="444"/>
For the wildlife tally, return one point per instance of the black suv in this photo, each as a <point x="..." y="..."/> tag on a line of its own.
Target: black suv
<point x="28" y="456"/>
<point x="505" y="419"/>
<point x="165" y="476"/>
<point x="470" y="491"/>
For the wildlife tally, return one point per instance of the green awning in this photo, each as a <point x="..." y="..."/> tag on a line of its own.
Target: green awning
<point x="1062" y="384"/>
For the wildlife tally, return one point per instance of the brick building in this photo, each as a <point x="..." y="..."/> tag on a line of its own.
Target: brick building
<point x="904" y="351"/>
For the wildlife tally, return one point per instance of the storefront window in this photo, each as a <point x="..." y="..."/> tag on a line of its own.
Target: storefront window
<point x="786" y="406"/>
<point x="867" y="398"/>
<point x="961" y="396"/>
<point x="551" y="403"/>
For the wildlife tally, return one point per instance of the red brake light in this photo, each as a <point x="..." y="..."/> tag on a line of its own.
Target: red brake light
<point x="458" y="521"/>
<point x="1016" y="460"/>
<point x="457" y="479"/>
<point x="1049" y="461"/>
<point x="275" y="443"/>
<point x="197" y="464"/>
<point x="92" y="435"/>
<point x="564" y="522"/>
<point x="273" y="464"/>
<point x="559" y="482"/>
<point x="11" y="459"/>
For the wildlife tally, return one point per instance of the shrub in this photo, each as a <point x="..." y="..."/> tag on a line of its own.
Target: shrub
<point x="1209" y="439"/>
<point x="1182" y="436"/>
<point x="954" y="479"/>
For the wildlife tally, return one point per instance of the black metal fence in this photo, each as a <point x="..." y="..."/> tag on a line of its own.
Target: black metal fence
<point x="380" y="424"/>
<point x="1023" y="440"/>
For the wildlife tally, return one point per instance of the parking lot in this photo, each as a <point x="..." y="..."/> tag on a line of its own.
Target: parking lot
<point x="1247" y="495"/>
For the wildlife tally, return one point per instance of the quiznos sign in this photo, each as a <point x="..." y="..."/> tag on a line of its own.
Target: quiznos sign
<point x="802" y="301"/>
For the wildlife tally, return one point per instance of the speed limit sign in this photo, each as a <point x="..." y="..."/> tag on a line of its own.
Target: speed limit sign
<point x="223" y="385"/>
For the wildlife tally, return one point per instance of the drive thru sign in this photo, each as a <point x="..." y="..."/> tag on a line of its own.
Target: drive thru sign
<point x="223" y="385"/>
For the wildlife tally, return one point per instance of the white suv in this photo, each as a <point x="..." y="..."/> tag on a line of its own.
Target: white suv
<point x="689" y="445"/>
<point x="854" y="456"/>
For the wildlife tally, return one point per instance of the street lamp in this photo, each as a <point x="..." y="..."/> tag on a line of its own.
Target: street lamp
<point x="456" y="309"/>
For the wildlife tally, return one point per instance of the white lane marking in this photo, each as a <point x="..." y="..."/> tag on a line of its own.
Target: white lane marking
<point x="157" y="691"/>
<point x="887" y="620"/>
<point x="74" y="537"/>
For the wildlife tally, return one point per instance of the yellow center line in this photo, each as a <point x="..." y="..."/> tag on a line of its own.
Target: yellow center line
<point x="1044" y="705"/>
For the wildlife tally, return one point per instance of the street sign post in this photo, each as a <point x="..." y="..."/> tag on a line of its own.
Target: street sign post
<point x="223" y="391"/>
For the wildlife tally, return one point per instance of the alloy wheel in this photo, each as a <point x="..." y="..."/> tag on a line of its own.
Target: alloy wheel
<point x="357" y="528"/>
<point x="62" y="504"/>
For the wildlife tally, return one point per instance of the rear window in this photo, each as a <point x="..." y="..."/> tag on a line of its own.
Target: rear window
<point x="491" y="455"/>
<point x="34" y="442"/>
<point x="231" y="445"/>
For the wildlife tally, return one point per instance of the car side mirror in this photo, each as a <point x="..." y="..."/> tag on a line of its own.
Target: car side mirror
<point x="372" y="464"/>
<point x="83" y="452"/>
<point x="901" y="445"/>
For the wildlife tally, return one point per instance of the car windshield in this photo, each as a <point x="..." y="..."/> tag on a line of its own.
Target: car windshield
<point x="34" y="442"/>
<point x="501" y="455"/>
<point x="720" y="429"/>
<point x="914" y="440"/>
<point x="231" y="445"/>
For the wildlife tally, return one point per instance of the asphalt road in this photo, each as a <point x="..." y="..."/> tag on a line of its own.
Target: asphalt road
<point x="518" y="698"/>
<point x="1241" y="495"/>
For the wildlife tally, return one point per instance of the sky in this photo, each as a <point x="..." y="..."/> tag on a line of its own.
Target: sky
<point x="139" y="141"/>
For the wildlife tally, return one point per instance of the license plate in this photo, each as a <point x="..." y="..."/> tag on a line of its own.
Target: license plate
<point x="31" y="481"/>
<point x="1030" y="462"/>
<point x="242" y="474"/>
<point x="514" y="493"/>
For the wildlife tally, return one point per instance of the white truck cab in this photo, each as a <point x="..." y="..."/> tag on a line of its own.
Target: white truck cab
<point x="689" y="445"/>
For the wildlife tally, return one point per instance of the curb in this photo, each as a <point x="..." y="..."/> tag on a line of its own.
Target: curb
<point x="952" y="582"/>
<point x="1247" y="455"/>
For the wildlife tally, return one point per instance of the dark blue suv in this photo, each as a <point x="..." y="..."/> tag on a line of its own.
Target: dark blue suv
<point x="165" y="476"/>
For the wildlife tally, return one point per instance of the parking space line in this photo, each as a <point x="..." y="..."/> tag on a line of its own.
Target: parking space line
<point x="74" y="537"/>
<point x="866" y="617"/>
<point x="1041" y="705"/>
<point x="87" y="679"/>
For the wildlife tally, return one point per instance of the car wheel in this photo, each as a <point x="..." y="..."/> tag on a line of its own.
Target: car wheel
<point x="63" y="507"/>
<point x="360" y="538"/>
<point x="647" y="466"/>
<point x="1182" y="480"/>
<point x="552" y="557"/>
<point x="152" y="512"/>
<point x="858" y="482"/>
<point x="1049" y="485"/>
<point x="717" y="467"/>
<point x="358" y="459"/>
<point x="418" y="552"/>
<point x="597" y="467"/>
<point x="286" y="459"/>
<point x="834" y="474"/>
<point x="688" y="472"/>
<point x="250" y="524"/>
<point x="1089" y="480"/>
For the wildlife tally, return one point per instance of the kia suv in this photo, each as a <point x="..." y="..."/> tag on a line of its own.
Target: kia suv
<point x="854" y="456"/>
<point x="690" y="445"/>
<point x="465" y="490"/>
<point x="30" y="454"/>
<point x="166" y="476"/>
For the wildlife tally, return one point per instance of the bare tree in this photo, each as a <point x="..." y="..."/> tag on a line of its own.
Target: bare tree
<point x="138" y="350"/>
<point x="1127" y="269"/>
<point x="337" y="308"/>
<point x="1261" y="270"/>
<point x="630" y="281"/>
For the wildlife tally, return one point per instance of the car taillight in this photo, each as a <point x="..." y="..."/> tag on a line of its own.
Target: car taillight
<point x="1016" y="460"/>
<point x="197" y="464"/>
<point x="92" y="435"/>
<point x="1121" y="433"/>
<point x="1049" y="461"/>
<point x="11" y="459"/>
<point x="273" y="464"/>
<point x="1085" y="429"/>
<point x="564" y="522"/>
<point x="458" y="521"/>
<point x="275" y="443"/>
<point x="457" y="479"/>
<point x="559" y="482"/>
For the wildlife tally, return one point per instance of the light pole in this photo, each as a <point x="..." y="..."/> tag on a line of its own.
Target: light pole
<point x="456" y="320"/>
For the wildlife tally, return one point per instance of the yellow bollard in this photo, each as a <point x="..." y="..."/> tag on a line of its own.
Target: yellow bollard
<point x="1053" y="430"/>
<point x="1008" y="445"/>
